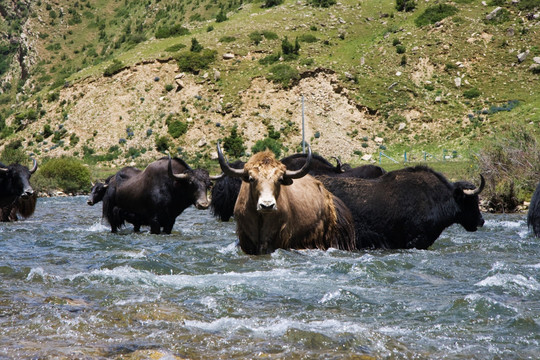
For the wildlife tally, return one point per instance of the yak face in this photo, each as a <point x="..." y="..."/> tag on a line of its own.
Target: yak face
<point x="265" y="175"/>
<point x="466" y="197"/>
<point x="97" y="193"/>
<point x="16" y="180"/>
<point x="200" y="181"/>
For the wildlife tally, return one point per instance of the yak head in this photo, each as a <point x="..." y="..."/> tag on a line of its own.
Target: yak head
<point x="15" y="180"/>
<point x="97" y="193"/>
<point x="265" y="175"/>
<point x="466" y="196"/>
<point x="195" y="183"/>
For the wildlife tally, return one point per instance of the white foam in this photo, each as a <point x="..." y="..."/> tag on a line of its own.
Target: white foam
<point x="507" y="280"/>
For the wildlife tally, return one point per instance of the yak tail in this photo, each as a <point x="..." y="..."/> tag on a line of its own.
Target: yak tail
<point x="344" y="237"/>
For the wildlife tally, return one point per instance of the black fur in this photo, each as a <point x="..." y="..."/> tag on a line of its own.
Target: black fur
<point x="533" y="215"/>
<point x="407" y="208"/>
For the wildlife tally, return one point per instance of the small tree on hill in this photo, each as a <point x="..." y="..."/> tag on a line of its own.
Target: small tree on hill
<point x="405" y="5"/>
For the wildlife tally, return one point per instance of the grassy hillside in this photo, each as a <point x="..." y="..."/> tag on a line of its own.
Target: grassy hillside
<point x="445" y="78"/>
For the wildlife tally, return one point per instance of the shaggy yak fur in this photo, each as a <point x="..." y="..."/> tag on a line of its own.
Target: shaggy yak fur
<point x="280" y="209"/>
<point x="407" y="208"/>
<point x="533" y="216"/>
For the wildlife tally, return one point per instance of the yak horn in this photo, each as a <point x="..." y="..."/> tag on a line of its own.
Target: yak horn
<point x="175" y="176"/>
<point x="34" y="167"/>
<point x="296" y="174"/>
<point x="217" y="177"/>
<point x="477" y="190"/>
<point x="227" y="170"/>
<point x="339" y="165"/>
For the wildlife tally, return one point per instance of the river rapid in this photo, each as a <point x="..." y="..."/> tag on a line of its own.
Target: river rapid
<point x="71" y="289"/>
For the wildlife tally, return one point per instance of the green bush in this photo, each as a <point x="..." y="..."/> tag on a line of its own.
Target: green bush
<point x="322" y="3"/>
<point x="234" y="144"/>
<point x="471" y="93"/>
<point x="194" y="62"/>
<point x="270" y="59"/>
<point x="177" y="128"/>
<point x="195" y="45"/>
<point x="175" y="48"/>
<point x="256" y="37"/>
<point x="435" y="13"/>
<point x="176" y="30"/>
<point x="114" y="68"/>
<point x="405" y="5"/>
<point x="268" y="143"/>
<point x="283" y="74"/>
<point x="227" y="39"/>
<point x="307" y="38"/>
<point x="221" y="16"/>
<point x="14" y="153"/>
<point x="400" y="49"/>
<point x="162" y="143"/>
<point x="66" y="173"/>
<point x="271" y="3"/>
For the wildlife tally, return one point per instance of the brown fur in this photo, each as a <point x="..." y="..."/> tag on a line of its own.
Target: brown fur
<point x="307" y="216"/>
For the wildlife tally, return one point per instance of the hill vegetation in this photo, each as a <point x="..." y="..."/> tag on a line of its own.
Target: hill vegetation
<point x="117" y="82"/>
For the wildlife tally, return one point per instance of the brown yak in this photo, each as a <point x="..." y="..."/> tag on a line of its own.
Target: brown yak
<point x="283" y="209"/>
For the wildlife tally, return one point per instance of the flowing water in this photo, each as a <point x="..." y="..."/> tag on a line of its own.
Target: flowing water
<point x="71" y="289"/>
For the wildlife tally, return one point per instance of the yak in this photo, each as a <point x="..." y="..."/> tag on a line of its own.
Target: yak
<point x="279" y="208"/>
<point x="406" y="208"/>
<point x="157" y="195"/>
<point x="99" y="190"/>
<point x="16" y="193"/>
<point x="533" y="215"/>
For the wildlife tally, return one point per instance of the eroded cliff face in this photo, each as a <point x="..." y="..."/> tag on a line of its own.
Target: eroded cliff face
<point x="130" y="110"/>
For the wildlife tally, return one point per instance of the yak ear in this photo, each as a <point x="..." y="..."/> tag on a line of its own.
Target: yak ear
<point x="285" y="181"/>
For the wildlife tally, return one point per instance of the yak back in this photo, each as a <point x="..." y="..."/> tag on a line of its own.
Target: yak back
<point x="533" y="215"/>
<point x="319" y="165"/>
<point x="406" y="208"/>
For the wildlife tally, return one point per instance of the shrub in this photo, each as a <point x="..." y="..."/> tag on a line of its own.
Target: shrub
<point x="227" y="39"/>
<point x="194" y="62"/>
<point x="283" y="74"/>
<point x="234" y="144"/>
<point x="270" y="35"/>
<point x="175" y="47"/>
<point x="322" y="3"/>
<point x="271" y="3"/>
<point x="162" y="143"/>
<point x="177" y="128"/>
<point x="66" y="173"/>
<point x="256" y="37"/>
<point x="114" y="68"/>
<point x="511" y="165"/>
<point x="169" y="87"/>
<point x="270" y="59"/>
<point x="176" y="30"/>
<point x="400" y="49"/>
<point x="471" y="93"/>
<point x="195" y="45"/>
<point x="221" y="16"/>
<point x="405" y="5"/>
<point x="307" y="38"/>
<point x="268" y="143"/>
<point x="434" y="14"/>
<point x="14" y="153"/>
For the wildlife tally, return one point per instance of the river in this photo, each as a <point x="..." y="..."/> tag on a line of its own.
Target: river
<point x="71" y="289"/>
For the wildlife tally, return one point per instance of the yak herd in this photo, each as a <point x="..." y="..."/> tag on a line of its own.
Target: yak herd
<point x="299" y="202"/>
